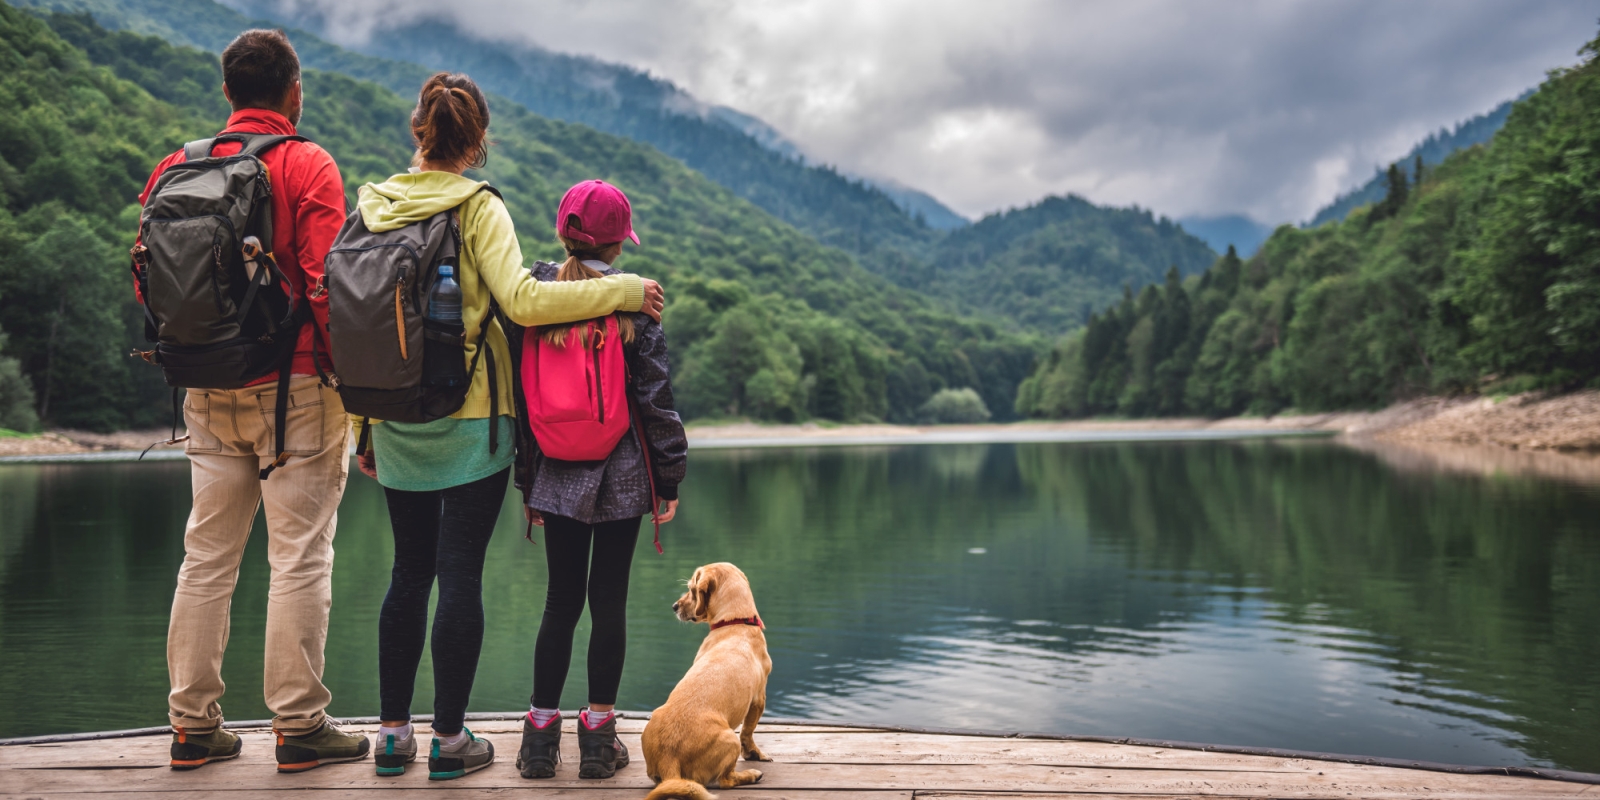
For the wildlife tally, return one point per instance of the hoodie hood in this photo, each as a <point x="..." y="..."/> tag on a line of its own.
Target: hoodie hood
<point x="412" y="197"/>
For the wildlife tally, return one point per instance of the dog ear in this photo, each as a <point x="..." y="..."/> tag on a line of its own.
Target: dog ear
<point x="702" y="595"/>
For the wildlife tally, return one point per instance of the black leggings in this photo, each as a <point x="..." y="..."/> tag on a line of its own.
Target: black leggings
<point x="441" y="534"/>
<point x="574" y="574"/>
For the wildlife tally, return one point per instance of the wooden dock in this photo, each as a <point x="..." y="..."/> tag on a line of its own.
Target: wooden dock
<point x="810" y="761"/>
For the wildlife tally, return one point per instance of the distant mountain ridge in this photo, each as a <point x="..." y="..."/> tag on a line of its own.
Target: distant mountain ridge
<point x="1433" y="150"/>
<point x="1238" y="230"/>
<point x="733" y="148"/>
<point x="1047" y="266"/>
<point x="1067" y="265"/>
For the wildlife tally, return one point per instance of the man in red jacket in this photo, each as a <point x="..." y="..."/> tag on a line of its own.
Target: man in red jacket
<point x="231" y="439"/>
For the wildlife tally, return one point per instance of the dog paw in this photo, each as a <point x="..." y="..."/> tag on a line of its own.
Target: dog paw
<point x="755" y="754"/>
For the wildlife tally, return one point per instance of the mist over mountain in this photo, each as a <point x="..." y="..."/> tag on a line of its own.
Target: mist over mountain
<point x="732" y="148"/>
<point x="1433" y="150"/>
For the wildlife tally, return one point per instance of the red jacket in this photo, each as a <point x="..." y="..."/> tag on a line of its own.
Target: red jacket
<point x="307" y="212"/>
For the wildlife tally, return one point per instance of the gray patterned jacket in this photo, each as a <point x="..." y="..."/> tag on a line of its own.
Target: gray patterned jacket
<point x="616" y="487"/>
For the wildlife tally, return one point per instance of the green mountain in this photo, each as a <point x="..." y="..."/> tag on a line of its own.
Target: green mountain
<point x="1048" y="266"/>
<point x="1483" y="276"/>
<point x="1432" y="150"/>
<point x="892" y="231"/>
<point x="735" y="150"/>
<point x="764" y="321"/>
<point x="1228" y="230"/>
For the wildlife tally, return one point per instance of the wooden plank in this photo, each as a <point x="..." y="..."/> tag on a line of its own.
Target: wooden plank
<point x="809" y="763"/>
<point x="1007" y="779"/>
<point x="469" y="794"/>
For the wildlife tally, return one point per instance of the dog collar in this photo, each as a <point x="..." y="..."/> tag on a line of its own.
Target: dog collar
<point x="756" y="621"/>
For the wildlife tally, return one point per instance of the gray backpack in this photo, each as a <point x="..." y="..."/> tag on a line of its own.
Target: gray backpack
<point x="391" y="361"/>
<point x="219" y="310"/>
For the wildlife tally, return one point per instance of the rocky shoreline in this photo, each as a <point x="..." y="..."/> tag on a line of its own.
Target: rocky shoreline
<point x="1565" y="424"/>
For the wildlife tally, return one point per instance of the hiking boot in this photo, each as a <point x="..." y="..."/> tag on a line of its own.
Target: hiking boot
<point x="325" y="745"/>
<point x="541" y="748"/>
<point x="190" y="750"/>
<point x="600" y="752"/>
<point x="392" y="753"/>
<point x="469" y="755"/>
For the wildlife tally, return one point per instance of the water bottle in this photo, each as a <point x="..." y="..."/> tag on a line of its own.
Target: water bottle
<point x="444" y="364"/>
<point x="444" y="299"/>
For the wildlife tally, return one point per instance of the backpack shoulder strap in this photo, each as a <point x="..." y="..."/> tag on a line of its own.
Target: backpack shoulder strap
<point x="254" y="144"/>
<point x="257" y="143"/>
<point x="198" y="149"/>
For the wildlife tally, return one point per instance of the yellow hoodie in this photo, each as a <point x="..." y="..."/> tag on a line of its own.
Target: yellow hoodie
<point x="491" y="264"/>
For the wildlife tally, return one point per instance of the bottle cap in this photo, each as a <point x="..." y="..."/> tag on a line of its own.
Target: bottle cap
<point x="447" y="271"/>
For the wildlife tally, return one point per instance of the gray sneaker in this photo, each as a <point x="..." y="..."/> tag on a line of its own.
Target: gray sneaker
<point x="393" y="753"/>
<point x="469" y="755"/>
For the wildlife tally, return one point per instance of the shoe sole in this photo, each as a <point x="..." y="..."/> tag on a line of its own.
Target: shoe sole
<point x="391" y="765"/>
<point x="456" y="773"/>
<point x="536" y="772"/>
<point x="305" y="766"/>
<point x="595" y="772"/>
<point x="196" y="763"/>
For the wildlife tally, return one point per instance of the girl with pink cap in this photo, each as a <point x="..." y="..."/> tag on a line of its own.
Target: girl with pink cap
<point x="591" y="508"/>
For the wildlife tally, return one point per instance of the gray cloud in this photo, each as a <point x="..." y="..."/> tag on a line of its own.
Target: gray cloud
<point x="1267" y="107"/>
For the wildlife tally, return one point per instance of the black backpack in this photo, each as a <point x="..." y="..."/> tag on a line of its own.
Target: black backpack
<point x="216" y="305"/>
<point x="391" y="361"/>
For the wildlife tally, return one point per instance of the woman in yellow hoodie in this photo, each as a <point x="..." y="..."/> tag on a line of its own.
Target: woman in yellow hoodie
<point x="444" y="486"/>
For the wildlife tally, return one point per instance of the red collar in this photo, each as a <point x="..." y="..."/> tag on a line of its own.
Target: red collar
<point x="756" y="621"/>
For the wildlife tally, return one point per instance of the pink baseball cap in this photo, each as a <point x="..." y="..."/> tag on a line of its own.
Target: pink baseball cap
<point x="595" y="212"/>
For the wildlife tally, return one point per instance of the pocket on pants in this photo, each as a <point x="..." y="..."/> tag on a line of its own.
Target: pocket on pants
<point x="303" y="432"/>
<point x="197" y="418"/>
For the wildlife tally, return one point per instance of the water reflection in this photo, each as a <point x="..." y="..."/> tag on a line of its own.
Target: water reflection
<point x="1299" y="595"/>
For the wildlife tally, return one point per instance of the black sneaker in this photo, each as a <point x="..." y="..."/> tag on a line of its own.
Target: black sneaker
<point x="600" y="752"/>
<point x="541" y="748"/>
<point x="325" y="745"/>
<point x="191" y="750"/>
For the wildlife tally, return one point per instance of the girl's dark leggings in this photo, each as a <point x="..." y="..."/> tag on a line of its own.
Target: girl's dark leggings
<point x="439" y="535"/>
<point x="576" y="573"/>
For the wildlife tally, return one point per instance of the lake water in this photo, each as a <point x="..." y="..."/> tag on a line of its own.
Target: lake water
<point x="1283" y="594"/>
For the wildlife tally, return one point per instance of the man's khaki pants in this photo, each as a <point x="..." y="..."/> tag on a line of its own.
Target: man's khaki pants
<point x="231" y="440"/>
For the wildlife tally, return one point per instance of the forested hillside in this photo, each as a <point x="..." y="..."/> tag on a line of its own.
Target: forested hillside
<point x="1483" y="277"/>
<point x="1432" y="150"/>
<point x="833" y="209"/>
<point x="1048" y="266"/>
<point x="764" y="322"/>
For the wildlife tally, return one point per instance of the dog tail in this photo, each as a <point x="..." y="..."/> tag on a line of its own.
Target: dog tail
<point x="679" y="788"/>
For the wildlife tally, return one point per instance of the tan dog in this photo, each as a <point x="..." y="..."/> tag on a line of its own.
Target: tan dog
<point x="689" y="743"/>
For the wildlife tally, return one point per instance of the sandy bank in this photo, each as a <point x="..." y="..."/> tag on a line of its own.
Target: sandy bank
<point x="1567" y="424"/>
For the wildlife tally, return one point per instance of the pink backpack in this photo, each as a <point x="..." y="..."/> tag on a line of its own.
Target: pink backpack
<point x="577" y="393"/>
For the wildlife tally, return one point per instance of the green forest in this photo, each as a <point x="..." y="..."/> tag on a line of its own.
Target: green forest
<point x="1039" y="269"/>
<point x="1475" y="274"/>
<point x="1480" y="274"/>
<point x="765" y="321"/>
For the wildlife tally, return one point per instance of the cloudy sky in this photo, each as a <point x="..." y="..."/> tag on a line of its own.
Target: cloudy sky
<point x="1269" y="108"/>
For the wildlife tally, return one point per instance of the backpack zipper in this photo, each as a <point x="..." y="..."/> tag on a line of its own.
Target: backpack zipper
<point x="600" y="392"/>
<point x="399" y="312"/>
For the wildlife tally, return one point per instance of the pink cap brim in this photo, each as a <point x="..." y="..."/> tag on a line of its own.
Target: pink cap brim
<point x="633" y="236"/>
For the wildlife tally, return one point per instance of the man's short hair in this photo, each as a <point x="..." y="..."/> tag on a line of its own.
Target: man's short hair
<point x="259" y="67"/>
